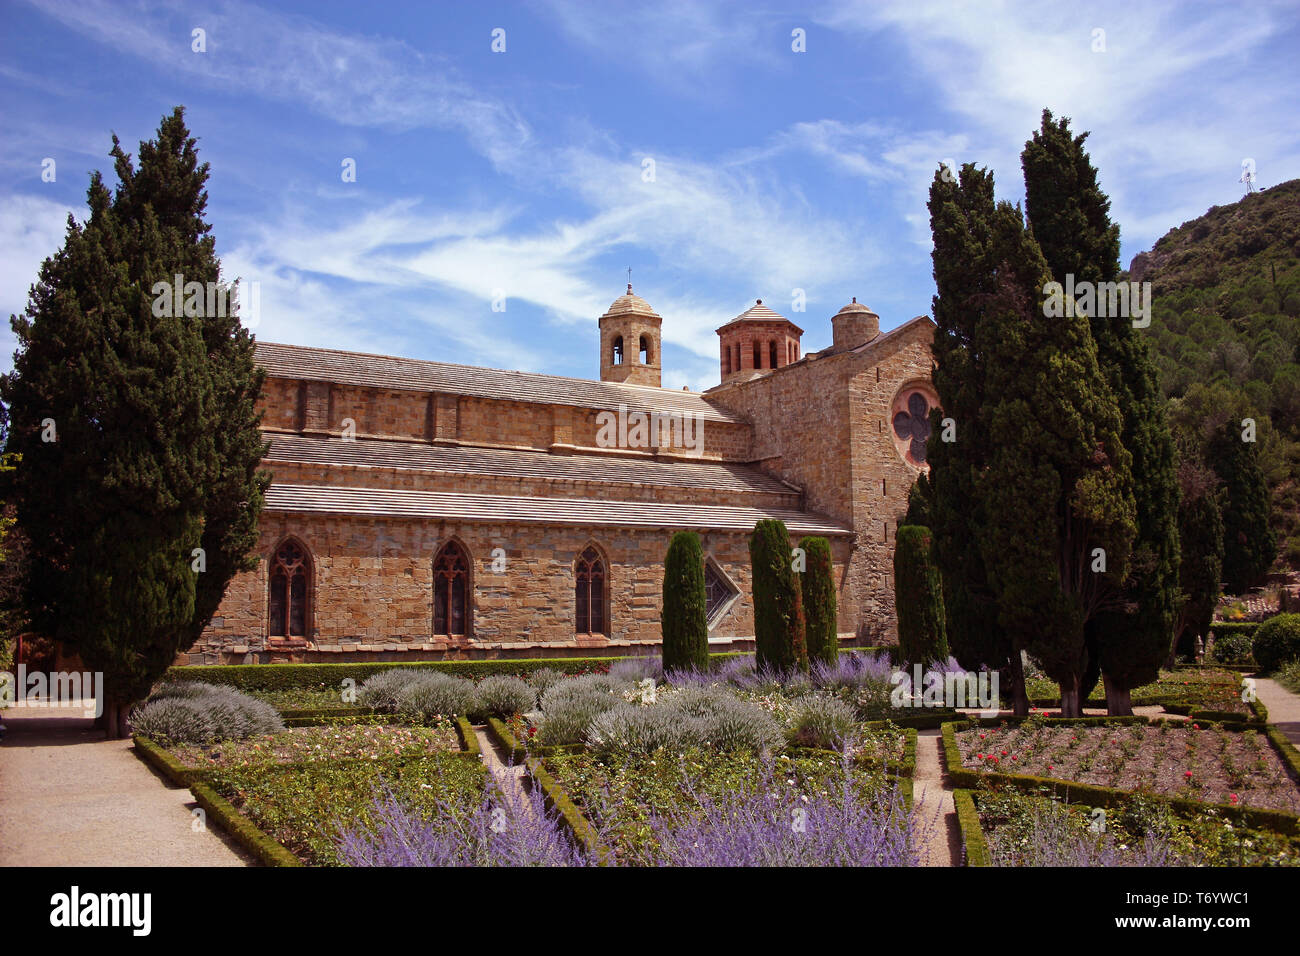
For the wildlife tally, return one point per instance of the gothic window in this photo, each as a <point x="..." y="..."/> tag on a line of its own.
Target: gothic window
<point x="718" y="592"/>
<point x="617" y="357"/>
<point x="590" y="580"/>
<point x="290" y="586"/>
<point x="646" y="357"/>
<point x="911" y="423"/>
<point x="771" y="354"/>
<point x="450" y="591"/>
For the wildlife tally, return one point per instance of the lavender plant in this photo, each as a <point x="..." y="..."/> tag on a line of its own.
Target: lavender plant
<point x="504" y="696"/>
<point x="505" y="827"/>
<point x="821" y="721"/>
<point x="200" y="713"/>
<point x="431" y="694"/>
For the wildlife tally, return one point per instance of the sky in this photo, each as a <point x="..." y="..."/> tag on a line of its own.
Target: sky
<point x="513" y="161"/>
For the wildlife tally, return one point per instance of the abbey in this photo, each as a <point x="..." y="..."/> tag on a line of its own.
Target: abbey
<point x="422" y="510"/>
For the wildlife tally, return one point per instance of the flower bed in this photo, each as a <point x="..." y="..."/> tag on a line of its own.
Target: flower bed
<point x="738" y="808"/>
<point x="328" y="742"/>
<point x="1190" y="761"/>
<point x="306" y="806"/>
<point x="1025" y="830"/>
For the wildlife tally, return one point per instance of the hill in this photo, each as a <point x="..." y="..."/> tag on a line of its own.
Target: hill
<point x="1226" y="333"/>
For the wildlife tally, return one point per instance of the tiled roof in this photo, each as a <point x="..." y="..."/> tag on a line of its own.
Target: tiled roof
<point x="401" y="503"/>
<point x="469" y="460"/>
<point x="383" y="371"/>
<point x="758" y="312"/>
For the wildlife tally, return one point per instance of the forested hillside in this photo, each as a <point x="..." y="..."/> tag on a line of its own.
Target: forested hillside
<point x="1226" y="331"/>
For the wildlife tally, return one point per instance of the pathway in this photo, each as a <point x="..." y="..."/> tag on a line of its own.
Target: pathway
<point x="1283" y="707"/>
<point x="932" y="804"/>
<point x="72" y="798"/>
<point x="513" y="777"/>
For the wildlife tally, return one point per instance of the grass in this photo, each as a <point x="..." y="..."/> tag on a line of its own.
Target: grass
<point x="1289" y="676"/>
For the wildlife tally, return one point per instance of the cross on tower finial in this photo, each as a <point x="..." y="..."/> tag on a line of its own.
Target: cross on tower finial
<point x="629" y="280"/>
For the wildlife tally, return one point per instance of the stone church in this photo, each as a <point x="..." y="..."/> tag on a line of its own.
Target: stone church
<point x="421" y="510"/>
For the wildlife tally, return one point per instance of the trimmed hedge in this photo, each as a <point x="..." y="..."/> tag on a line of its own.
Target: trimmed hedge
<point x="241" y="829"/>
<point x="1094" y="795"/>
<point x="1277" y="642"/>
<point x="972" y="834"/>
<point x="570" y="817"/>
<point x="161" y="758"/>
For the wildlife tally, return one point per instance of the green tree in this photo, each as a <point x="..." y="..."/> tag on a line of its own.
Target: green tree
<point x="1057" y="490"/>
<point x="1249" y="542"/>
<point x="135" y="426"/>
<point x="1069" y="217"/>
<point x="778" y="600"/>
<point x="821" y="626"/>
<point x="961" y="214"/>
<point x="918" y="598"/>
<point x="684" y="623"/>
<point x="1200" y="533"/>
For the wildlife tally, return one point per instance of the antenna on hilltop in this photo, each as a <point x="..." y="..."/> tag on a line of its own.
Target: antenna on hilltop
<point x="1248" y="175"/>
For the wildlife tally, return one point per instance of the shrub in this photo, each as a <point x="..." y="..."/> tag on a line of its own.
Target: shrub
<point x="684" y="623"/>
<point x="863" y="681"/>
<point x="636" y="669"/>
<point x="632" y="729"/>
<point x="821" y="628"/>
<point x="778" y="600"/>
<point x="381" y="690"/>
<point x="196" y="713"/>
<point x="821" y="721"/>
<point x="570" y="706"/>
<point x="918" y="598"/>
<point x="502" y="696"/>
<point x="1277" y="641"/>
<point x="430" y="695"/>
<point x="740" y="725"/>
<point x="1232" y="648"/>
<point x="544" y="678"/>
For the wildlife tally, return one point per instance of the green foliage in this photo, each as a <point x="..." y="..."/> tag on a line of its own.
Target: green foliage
<point x="918" y="598"/>
<point x="1200" y="533"/>
<point x="684" y="624"/>
<point x="1230" y="648"/>
<point x="818" y="585"/>
<point x="154" y="443"/>
<point x="1070" y="218"/>
<point x="778" y="600"/>
<point x="1226" y="323"/>
<point x="1249" y="542"/>
<point x="1277" y="642"/>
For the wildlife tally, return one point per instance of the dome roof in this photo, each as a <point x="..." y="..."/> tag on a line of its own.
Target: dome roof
<point x="855" y="307"/>
<point x="630" y="303"/>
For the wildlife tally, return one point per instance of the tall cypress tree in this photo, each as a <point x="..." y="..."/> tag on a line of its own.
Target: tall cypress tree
<point x="961" y="214"/>
<point x="821" y="623"/>
<point x="119" y="403"/>
<point x="1200" y="535"/>
<point x="918" y="598"/>
<point x="778" y="600"/>
<point x="1249" y="541"/>
<point x="1057" y="489"/>
<point x="684" y="625"/>
<point x="1069" y="218"/>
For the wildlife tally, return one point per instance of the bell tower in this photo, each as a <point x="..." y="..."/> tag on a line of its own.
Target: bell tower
<point x="629" y="342"/>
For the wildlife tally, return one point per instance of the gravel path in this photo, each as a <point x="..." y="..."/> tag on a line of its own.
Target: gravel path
<point x="1283" y="707"/>
<point x="68" y="797"/>
<point x="932" y="804"/>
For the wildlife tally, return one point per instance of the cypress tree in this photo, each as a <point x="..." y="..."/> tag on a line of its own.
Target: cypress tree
<point x="821" y="627"/>
<point x="1057" y="489"/>
<point x="961" y="213"/>
<point x="778" y="600"/>
<point x="1200" y="534"/>
<point x="684" y="623"/>
<point x="1069" y="217"/>
<point x="918" y="598"/>
<point x="118" y="405"/>
<point x="1249" y="541"/>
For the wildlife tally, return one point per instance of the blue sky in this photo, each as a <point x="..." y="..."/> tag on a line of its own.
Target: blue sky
<point x="523" y="171"/>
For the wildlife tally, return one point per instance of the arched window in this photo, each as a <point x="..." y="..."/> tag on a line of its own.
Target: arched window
<point x="451" y="591"/>
<point x="617" y="357"/>
<point x="735" y="365"/>
<point x="726" y="360"/>
<point x="771" y="354"/>
<point x="646" y="356"/>
<point x="758" y="355"/>
<point x="290" y="586"/>
<point x="590" y="577"/>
